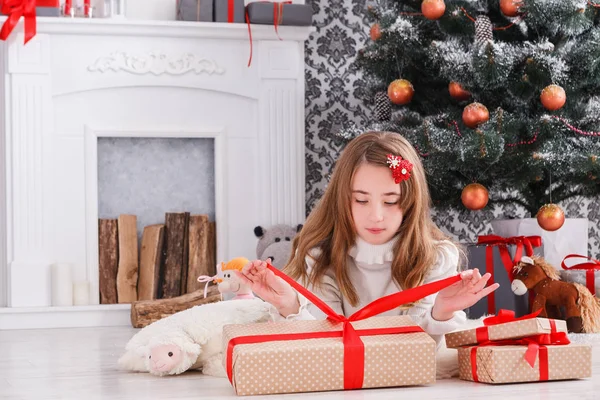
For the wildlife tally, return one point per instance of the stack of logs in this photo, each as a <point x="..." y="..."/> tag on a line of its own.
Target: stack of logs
<point x="163" y="279"/>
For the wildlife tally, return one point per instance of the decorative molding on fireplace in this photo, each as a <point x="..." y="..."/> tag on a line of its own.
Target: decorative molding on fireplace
<point x="156" y="63"/>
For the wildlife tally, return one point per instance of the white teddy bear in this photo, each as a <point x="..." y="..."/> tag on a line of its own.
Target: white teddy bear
<point x="190" y="339"/>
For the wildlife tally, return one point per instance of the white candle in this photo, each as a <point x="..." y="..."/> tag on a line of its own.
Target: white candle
<point x="81" y="293"/>
<point x="62" y="285"/>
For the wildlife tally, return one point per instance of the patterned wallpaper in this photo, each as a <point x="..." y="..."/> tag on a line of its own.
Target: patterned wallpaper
<point x="336" y="96"/>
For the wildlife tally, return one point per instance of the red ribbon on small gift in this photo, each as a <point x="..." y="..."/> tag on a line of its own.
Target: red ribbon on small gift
<point x="503" y="317"/>
<point x="354" y="352"/>
<point x="15" y="9"/>
<point x="590" y="268"/>
<point x="536" y="345"/>
<point x="277" y="19"/>
<point x="522" y="242"/>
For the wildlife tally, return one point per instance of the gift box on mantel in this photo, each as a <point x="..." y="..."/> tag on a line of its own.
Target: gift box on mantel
<point x="526" y="349"/>
<point x="232" y="11"/>
<point x="195" y="10"/>
<point x="498" y="255"/>
<point x="587" y="273"/>
<point x="361" y="351"/>
<point x="279" y="13"/>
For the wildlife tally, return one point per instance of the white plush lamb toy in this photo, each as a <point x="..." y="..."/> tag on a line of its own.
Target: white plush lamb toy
<point x="190" y="339"/>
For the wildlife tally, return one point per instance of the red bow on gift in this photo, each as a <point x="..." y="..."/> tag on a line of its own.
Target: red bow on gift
<point x="536" y="344"/>
<point x="590" y="268"/>
<point x="527" y="242"/>
<point x="354" y="352"/>
<point x="15" y="9"/>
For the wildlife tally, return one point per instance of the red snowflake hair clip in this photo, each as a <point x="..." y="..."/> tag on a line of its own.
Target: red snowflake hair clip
<point x="400" y="168"/>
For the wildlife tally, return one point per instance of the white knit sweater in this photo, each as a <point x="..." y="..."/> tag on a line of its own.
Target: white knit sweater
<point x="369" y="268"/>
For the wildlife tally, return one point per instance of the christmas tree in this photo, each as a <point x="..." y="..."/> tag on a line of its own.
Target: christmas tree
<point x="501" y="93"/>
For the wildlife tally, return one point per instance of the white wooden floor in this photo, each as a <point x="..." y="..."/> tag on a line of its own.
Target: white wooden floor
<point x="81" y="364"/>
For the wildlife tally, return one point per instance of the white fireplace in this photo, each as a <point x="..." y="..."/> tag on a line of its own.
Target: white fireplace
<point x="79" y="80"/>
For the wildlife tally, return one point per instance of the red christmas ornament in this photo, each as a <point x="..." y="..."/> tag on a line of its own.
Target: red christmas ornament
<point x="400" y="91"/>
<point x="553" y="97"/>
<point x="375" y="32"/>
<point x="457" y="92"/>
<point x="474" y="196"/>
<point x="550" y="217"/>
<point x="510" y="8"/>
<point x="475" y="114"/>
<point x="433" y="9"/>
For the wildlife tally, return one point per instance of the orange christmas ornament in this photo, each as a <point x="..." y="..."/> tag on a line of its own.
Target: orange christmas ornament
<point x="400" y="91"/>
<point x="510" y="8"/>
<point x="457" y="92"/>
<point x="433" y="9"/>
<point x="475" y="114"/>
<point x="375" y="32"/>
<point x="550" y="217"/>
<point x="553" y="97"/>
<point x="474" y="196"/>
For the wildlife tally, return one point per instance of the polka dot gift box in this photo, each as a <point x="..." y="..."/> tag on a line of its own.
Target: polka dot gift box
<point x="363" y="350"/>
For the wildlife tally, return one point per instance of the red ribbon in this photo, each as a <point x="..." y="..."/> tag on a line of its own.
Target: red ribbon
<point x="277" y="18"/>
<point x="503" y="317"/>
<point x="527" y="242"/>
<point x="589" y="268"/>
<point x="230" y="10"/>
<point x="536" y="345"/>
<point x="15" y="9"/>
<point x="354" y="356"/>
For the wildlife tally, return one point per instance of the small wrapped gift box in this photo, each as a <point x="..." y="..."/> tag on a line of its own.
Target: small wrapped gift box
<point x="498" y="255"/>
<point x="360" y="351"/>
<point x="505" y="326"/>
<point x="586" y="274"/>
<point x="195" y="10"/>
<point x="273" y="13"/>
<point x="509" y="364"/>
<point x="232" y="11"/>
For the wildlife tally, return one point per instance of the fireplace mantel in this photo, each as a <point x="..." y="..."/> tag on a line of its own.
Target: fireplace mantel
<point x="78" y="80"/>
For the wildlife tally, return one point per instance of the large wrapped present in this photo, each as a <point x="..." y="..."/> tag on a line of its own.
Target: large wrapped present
<point x="571" y="238"/>
<point x="509" y="364"/>
<point x="195" y="10"/>
<point x="360" y="351"/>
<point x="498" y="255"/>
<point x="587" y="274"/>
<point x="505" y="326"/>
<point x="279" y="13"/>
<point x="232" y="11"/>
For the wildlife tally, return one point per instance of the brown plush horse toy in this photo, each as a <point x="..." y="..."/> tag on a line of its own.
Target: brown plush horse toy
<point x="582" y="309"/>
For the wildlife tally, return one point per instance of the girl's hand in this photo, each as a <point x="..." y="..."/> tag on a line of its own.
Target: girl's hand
<point x="462" y="294"/>
<point x="269" y="287"/>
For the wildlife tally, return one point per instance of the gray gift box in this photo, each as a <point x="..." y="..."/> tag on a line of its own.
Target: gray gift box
<point x="291" y="14"/>
<point x="579" y="276"/>
<point x="222" y="10"/>
<point x="195" y="10"/>
<point x="47" y="11"/>
<point x="503" y="296"/>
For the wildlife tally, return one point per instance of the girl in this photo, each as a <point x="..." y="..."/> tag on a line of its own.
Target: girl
<point x="372" y="235"/>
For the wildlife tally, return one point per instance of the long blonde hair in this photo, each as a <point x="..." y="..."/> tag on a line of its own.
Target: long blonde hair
<point x="330" y="225"/>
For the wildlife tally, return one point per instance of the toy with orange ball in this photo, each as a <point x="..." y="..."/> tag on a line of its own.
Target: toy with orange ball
<point x="553" y="97"/>
<point x="433" y="9"/>
<point x="474" y="196"/>
<point x="400" y="91"/>
<point x="550" y="217"/>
